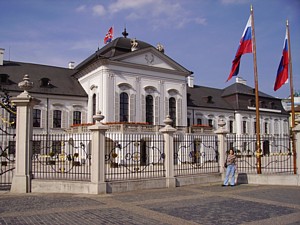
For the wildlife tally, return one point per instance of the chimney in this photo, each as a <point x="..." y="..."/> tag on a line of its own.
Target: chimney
<point x="71" y="65"/>
<point x="1" y="56"/>
<point x="240" y="80"/>
<point x="190" y="81"/>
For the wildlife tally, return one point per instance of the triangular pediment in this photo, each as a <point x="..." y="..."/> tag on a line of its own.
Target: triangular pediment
<point x="150" y="57"/>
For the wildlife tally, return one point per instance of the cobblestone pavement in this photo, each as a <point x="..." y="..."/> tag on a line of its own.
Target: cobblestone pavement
<point x="197" y="204"/>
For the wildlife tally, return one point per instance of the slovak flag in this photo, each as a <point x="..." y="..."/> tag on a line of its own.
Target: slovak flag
<point x="109" y="36"/>
<point x="283" y="69"/>
<point x="244" y="47"/>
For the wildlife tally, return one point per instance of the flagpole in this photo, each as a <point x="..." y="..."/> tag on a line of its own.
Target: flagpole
<point x="292" y="97"/>
<point x="258" y="145"/>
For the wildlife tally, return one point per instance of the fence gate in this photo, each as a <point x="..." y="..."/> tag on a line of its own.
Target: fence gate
<point x="7" y="140"/>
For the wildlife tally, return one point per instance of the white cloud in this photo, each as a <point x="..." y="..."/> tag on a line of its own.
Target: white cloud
<point x="121" y="5"/>
<point x="99" y="10"/>
<point x="159" y="13"/>
<point x="227" y="2"/>
<point x="81" y="8"/>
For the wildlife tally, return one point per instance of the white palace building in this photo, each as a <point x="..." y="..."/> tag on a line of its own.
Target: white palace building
<point x="131" y="81"/>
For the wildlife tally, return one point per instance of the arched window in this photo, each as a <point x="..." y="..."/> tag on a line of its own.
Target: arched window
<point x="123" y="107"/>
<point x="172" y="110"/>
<point x="149" y="109"/>
<point x="94" y="105"/>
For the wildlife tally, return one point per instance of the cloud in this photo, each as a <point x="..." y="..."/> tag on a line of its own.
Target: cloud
<point x="99" y="10"/>
<point x="159" y="13"/>
<point x="227" y="2"/>
<point x="81" y="8"/>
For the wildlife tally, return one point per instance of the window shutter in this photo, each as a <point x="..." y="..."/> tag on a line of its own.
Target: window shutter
<point x="156" y="108"/>
<point x="50" y="119"/>
<point x="71" y="118"/>
<point x="117" y="107"/>
<point x="143" y="108"/>
<point x="64" y="120"/>
<point x="83" y="117"/>
<point x="166" y="107"/>
<point x="132" y="108"/>
<point x="43" y="119"/>
<point x="179" y="110"/>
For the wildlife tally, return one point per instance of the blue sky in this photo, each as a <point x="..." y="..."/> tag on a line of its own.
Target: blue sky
<point x="201" y="35"/>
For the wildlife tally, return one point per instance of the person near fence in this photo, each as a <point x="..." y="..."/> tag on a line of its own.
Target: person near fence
<point x="230" y="170"/>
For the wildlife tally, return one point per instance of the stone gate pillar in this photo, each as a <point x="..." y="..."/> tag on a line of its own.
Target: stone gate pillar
<point x="98" y="155"/>
<point x="168" y="132"/>
<point x="221" y="132"/>
<point x="21" y="182"/>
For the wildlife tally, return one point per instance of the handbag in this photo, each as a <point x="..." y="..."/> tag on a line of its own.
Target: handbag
<point x="225" y="165"/>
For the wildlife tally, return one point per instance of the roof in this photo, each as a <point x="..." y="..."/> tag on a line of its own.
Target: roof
<point x="234" y="97"/>
<point x="200" y="96"/>
<point x="61" y="81"/>
<point x="239" y="88"/>
<point x="118" y="46"/>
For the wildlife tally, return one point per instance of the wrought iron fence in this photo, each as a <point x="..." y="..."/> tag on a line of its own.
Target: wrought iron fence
<point x="7" y="140"/>
<point x="194" y="154"/>
<point x="134" y="156"/>
<point x="276" y="155"/>
<point x="61" y="156"/>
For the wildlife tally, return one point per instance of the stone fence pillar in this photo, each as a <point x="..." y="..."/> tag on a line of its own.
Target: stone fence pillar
<point x="98" y="184"/>
<point x="221" y="132"/>
<point x="168" y="132"/>
<point x="21" y="182"/>
<point x="296" y="130"/>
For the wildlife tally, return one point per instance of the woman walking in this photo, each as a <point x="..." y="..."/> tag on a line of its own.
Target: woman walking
<point x="230" y="170"/>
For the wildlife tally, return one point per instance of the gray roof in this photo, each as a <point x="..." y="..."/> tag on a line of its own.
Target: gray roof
<point x="61" y="81"/>
<point x="234" y="97"/>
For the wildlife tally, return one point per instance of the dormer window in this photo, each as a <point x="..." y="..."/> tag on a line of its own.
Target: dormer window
<point x="45" y="82"/>
<point x="251" y="103"/>
<point x="209" y="99"/>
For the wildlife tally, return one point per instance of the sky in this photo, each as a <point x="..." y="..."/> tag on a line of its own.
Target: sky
<point x="201" y="35"/>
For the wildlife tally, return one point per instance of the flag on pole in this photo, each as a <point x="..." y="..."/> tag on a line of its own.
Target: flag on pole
<point x="283" y="69"/>
<point x="109" y="36"/>
<point x="244" y="47"/>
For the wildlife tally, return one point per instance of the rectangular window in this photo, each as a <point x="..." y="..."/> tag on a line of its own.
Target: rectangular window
<point x="210" y="122"/>
<point x="254" y="127"/>
<point x="36" y="118"/>
<point x="244" y="127"/>
<point x="199" y="121"/>
<point x="188" y="122"/>
<point x="230" y="126"/>
<point x="266" y="128"/>
<point x="76" y="117"/>
<point x="56" y="119"/>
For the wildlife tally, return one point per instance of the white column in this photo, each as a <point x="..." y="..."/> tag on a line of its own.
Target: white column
<point x="238" y="123"/>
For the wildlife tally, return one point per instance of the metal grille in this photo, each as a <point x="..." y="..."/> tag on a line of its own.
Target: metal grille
<point x="61" y="156"/>
<point x="7" y="141"/>
<point x="134" y="156"/>
<point x="276" y="155"/>
<point x="194" y="154"/>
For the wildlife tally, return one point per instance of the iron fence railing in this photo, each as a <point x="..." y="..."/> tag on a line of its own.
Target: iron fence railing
<point x="61" y="156"/>
<point x="276" y="154"/>
<point x="134" y="156"/>
<point x="195" y="154"/>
